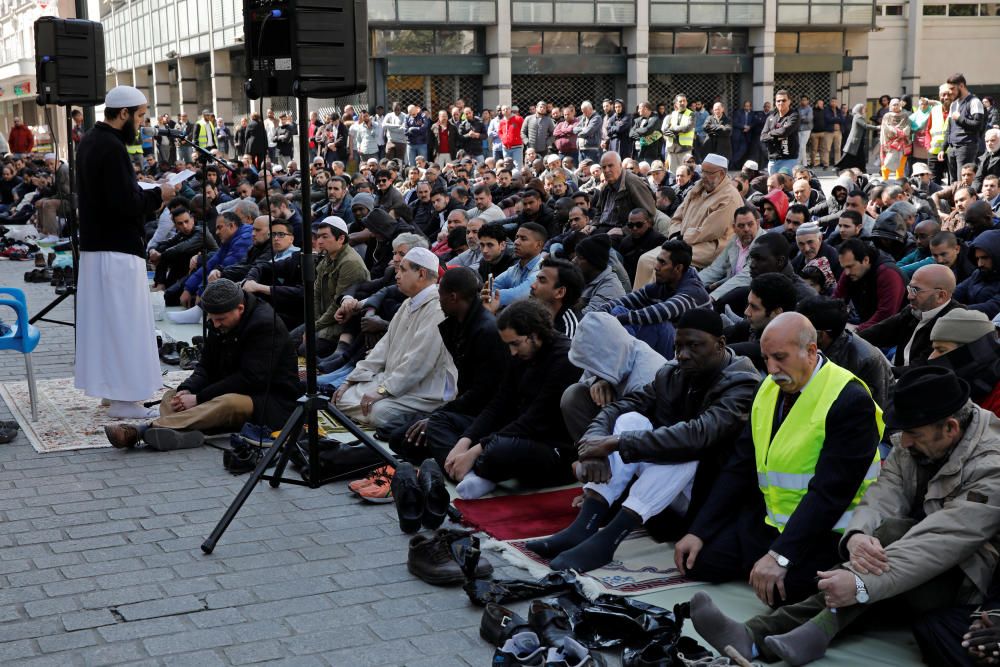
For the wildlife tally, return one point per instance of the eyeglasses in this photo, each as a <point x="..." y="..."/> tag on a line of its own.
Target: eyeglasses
<point x="383" y="180"/>
<point x="912" y="289"/>
<point x="635" y="225"/>
<point x="279" y="235"/>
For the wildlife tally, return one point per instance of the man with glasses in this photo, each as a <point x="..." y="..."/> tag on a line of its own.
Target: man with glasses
<point x="929" y="297"/>
<point x="641" y="238"/>
<point x="781" y="134"/>
<point x="387" y="197"/>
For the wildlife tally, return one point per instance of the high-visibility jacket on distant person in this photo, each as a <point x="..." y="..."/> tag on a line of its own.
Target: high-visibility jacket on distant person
<point x="685" y="139"/>
<point x="135" y="148"/>
<point x="939" y="128"/>
<point x="206" y="134"/>
<point x="786" y="464"/>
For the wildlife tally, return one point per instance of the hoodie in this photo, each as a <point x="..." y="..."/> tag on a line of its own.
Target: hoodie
<point x="385" y="228"/>
<point x="981" y="290"/>
<point x="779" y="200"/>
<point x="606" y="351"/>
<point x="828" y="213"/>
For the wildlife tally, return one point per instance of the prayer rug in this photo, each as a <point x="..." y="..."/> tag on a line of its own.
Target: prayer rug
<point x="67" y="418"/>
<point x="641" y="565"/>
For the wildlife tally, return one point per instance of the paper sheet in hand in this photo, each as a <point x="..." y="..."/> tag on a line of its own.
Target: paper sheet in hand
<point x="148" y="186"/>
<point x="177" y="179"/>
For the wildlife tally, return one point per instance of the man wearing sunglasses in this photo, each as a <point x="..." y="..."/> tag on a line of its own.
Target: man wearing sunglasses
<point x="387" y="197"/>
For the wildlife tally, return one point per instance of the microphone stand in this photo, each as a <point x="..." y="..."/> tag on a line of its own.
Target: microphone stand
<point x="204" y="158"/>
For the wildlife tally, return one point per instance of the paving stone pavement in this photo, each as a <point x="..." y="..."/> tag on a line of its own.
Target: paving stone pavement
<point x="100" y="561"/>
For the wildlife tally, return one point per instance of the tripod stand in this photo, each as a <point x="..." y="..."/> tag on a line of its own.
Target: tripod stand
<point x="69" y="289"/>
<point x="309" y="405"/>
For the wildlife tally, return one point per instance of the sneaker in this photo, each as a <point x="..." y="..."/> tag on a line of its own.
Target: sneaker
<point x="378" y="473"/>
<point x="521" y="649"/>
<point x="378" y="492"/>
<point x="573" y="654"/>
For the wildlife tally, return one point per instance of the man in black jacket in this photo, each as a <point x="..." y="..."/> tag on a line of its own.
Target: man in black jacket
<point x="469" y="331"/>
<point x="247" y="373"/>
<point x="781" y="134"/>
<point x="909" y="331"/>
<point x="675" y="434"/>
<point x="520" y="433"/>
<point x="172" y="256"/>
<point x="116" y="355"/>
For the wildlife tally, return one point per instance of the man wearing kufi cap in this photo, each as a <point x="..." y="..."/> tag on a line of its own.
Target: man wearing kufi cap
<point x="672" y="434"/>
<point x="116" y="356"/>
<point x="704" y="219"/>
<point x="923" y="539"/>
<point x="247" y="373"/>
<point x="409" y="372"/>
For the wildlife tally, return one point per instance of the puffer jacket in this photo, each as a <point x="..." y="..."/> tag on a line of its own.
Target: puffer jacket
<point x="702" y="431"/>
<point x="866" y="361"/>
<point x="961" y="508"/>
<point x="981" y="290"/>
<point x="604" y="350"/>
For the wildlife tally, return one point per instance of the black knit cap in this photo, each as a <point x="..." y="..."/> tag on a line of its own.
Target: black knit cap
<point x="701" y="319"/>
<point x="596" y="250"/>
<point x="221" y="296"/>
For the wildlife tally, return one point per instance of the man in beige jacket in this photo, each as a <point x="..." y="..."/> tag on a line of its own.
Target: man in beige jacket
<point x="704" y="220"/>
<point x="924" y="535"/>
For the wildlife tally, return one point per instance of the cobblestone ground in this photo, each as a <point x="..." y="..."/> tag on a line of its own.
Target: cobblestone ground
<point x="100" y="561"/>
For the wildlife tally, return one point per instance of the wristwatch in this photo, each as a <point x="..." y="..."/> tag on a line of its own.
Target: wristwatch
<point x="382" y="391"/>
<point x="782" y="561"/>
<point x="862" y="593"/>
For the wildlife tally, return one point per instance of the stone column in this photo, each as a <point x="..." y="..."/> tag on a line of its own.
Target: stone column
<point x="914" y="39"/>
<point x="143" y="81"/>
<point x="222" y="85"/>
<point x="637" y="48"/>
<point x="162" y="95"/>
<point x="856" y="44"/>
<point x="496" y="84"/>
<point x="187" y="79"/>
<point x="762" y="48"/>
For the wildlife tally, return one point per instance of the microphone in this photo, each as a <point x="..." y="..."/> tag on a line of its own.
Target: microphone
<point x="171" y="134"/>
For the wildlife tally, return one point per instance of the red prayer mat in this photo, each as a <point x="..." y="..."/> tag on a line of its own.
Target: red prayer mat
<point x="523" y="516"/>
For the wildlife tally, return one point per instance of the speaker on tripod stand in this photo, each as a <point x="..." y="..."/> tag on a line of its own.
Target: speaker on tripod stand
<point x="299" y="48"/>
<point x="69" y="69"/>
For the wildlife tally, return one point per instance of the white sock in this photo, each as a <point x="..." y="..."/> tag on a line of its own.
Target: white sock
<point x="190" y="316"/>
<point x="131" y="410"/>
<point x="473" y="486"/>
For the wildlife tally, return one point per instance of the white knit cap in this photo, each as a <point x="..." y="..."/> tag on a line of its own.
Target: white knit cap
<point x="424" y="258"/>
<point x="121" y="97"/>
<point x="751" y="165"/>
<point x="717" y="160"/>
<point x="335" y="222"/>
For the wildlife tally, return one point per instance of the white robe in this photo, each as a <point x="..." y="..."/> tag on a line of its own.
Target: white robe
<point x="116" y="355"/>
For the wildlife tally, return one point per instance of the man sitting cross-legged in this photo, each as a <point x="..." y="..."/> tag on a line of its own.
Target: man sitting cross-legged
<point x="924" y="536"/>
<point x="675" y="434"/>
<point x="520" y="434"/>
<point x="247" y="373"/>
<point x="469" y="331"/>
<point x="409" y="371"/>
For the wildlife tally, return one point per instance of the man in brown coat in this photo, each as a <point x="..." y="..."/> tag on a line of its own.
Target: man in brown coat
<point x="924" y="535"/>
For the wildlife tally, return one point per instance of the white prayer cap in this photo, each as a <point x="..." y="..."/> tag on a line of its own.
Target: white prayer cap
<point x="423" y="258"/>
<point x="753" y="166"/>
<point x="549" y="159"/>
<point x="121" y="97"/>
<point x="717" y="160"/>
<point x="333" y="222"/>
<point x="52" y="156"/>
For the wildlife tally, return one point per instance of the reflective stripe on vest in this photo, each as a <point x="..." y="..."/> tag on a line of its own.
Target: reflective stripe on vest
<point x="687" y="138"/>
<point x="786" y="464"/>
<point x="136" y="148"/>
<point x="939" y="129"/>
<point x="206" y="130"/>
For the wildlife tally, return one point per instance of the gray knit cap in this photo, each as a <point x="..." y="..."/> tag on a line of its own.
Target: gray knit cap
<point x="221" y="296"/>
<point x="962" y="326"/>
<point x="807" y="228"/>
<point x="363" y="199"/>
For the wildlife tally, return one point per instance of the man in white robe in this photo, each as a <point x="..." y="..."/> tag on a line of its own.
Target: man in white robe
<point x="116" y="357"/>
<point x="409" y="371"/>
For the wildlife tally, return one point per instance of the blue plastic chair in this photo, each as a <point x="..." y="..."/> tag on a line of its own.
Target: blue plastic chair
<point x="22" y="337"/>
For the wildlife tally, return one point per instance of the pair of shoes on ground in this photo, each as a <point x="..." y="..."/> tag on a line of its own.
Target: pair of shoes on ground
<point x="130" y="436"/>
<point x="544" y="638"/>
<point x="173" y="352"/>
<point x="42" y="275"/>
<point x="246" y="449"/>
<point x="421" y="496"/>
<point x="448" y="556"/>
<point x="8" y="431"/>
<point x="524" y="648"/>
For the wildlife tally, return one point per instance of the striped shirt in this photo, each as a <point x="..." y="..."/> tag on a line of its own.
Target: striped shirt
<point x="656" y="303"/>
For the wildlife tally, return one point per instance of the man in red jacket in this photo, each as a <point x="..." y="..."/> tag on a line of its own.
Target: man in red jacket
<point x="870" y="282"/>
<point x="510" y="134"/>
<point x="21" y="139"/>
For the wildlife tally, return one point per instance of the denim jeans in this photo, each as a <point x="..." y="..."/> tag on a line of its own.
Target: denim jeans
<point x="516" y="153"/>
<point x="412" y="151"/>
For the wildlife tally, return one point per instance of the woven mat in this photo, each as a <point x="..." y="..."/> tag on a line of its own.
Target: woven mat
<point x="67" y="418"/>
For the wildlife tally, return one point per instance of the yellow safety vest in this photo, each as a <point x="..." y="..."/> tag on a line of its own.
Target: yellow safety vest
<point x="206" y="130"/>
<point x="685" y="139"/>
<point x="786" y="464"/>
<point x="939" y="129"/>
<point x="136" y="148"/>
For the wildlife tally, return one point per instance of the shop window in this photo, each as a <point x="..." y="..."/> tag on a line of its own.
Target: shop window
<point x="935" y="10"/>
<point x="600" y="42"/>
<point x="560" y="43"/>
<point x="786" y="42"/>
<point x="690" y="43"/>
<point x="962" y="10"/>
<point x="524" y="43"/>
<point x="720" y="43"/>
<point x="661" y="43"/>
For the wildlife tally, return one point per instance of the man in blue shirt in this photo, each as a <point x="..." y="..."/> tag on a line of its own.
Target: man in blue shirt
<point x="514" y="284"/>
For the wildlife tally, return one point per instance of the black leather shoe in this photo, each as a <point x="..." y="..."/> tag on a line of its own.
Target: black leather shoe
<point x="409" y="498"/>
<point x="550" y="622"/>
<point x="436" y="498"/>
<point x="429" y="559"/>
<point x="499" y="624"/>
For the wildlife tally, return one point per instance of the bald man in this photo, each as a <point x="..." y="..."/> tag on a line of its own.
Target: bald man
<point x="909" y="330"/>
<point x="793" y="479"/>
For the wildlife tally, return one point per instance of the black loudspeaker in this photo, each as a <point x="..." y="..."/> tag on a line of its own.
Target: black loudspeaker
<point x="314" y="48"/>
<point x="69" y="61"/>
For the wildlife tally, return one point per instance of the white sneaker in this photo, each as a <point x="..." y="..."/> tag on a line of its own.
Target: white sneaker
<point x="190" y="316"/>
